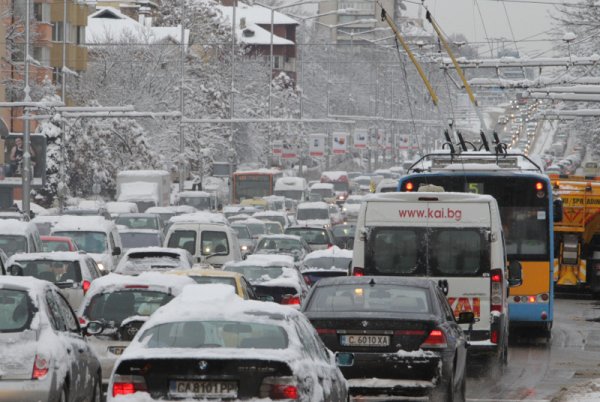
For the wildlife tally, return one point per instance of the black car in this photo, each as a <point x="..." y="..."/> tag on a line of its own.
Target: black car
<point x="344" y="235"/>
<point x="317" y="237"/>
<point x="392" y="335"/>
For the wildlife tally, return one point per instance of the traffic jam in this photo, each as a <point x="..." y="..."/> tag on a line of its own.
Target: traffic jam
<point x="329" y="290"/>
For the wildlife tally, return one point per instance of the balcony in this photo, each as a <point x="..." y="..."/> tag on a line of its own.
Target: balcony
<point x="76" y="13"/>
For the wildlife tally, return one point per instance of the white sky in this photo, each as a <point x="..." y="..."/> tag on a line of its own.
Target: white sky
<point x="528" y="18"/>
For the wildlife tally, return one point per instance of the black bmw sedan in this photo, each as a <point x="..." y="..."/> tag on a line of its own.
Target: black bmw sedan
<point x="391" y="335"/>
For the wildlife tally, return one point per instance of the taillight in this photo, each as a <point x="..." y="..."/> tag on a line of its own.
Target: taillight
<point x="357" y="271"/>
<point x="279" y="388"/>
<point x="290" y="299"/>
<point x="326" y="331"/>
<point x="435" y="340"/>
<point x="41" y="365"/>
<point x="86" y="286"/>
<point x="494" y="336"/>
<point x="82" y="321"/>
<point x="128" y="384"/>
<point x="496" y="289"/>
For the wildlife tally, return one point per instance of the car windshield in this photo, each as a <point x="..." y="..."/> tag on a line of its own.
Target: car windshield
<point x="215" y="334"/>
<point x="242" y="232"/>
<point x="213" y="279"/>
<point x="278" y="244"/>
<point x="365" y="298"/>
<point x="293" y="194"/>
<point x="90" y="242"/>
<point x="306" y="214"/>
<point x="328" y="262"/>
<point x="256" y="229"/>
<point x="274" y="228"/>
<point x="343" y="231"/>
<point x="115" y="306"/>
<point x="138" y="222"/>
<point x="200" y="203"/>
<point x="257" y="273"/>
<point x="12" y="244"/>
<point x="135" y="239"/>
<point x="54" y="271"/>
<point x="311" y="236"/>
<point x="340" y="186"/>
<point x="16" y="310"/>
<point x="55" y="245"/>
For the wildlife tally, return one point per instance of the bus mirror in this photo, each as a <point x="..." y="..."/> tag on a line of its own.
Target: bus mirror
<point x="364" y="235"/>
<point x="558" y="210"/>
<point x="515" y="274"/>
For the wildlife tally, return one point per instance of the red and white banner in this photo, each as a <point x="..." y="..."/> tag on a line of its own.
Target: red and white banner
<point x="403" y="141"/>
<point x="277" y="147"/>
<point x="289" y="151"/>
<point x="361" y="138"/>
<point x="316" y="145"/>
<point x="339" y="143"/>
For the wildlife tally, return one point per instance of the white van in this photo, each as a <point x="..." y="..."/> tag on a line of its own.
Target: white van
<point x="207" y="236"/>
<point x="295" y="188"/>
<point x="19" y="237"/>
<point x="95" y="235"/>
<point x="455" y="239"/>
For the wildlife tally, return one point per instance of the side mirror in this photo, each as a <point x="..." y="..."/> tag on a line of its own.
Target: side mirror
<point x="515" y="274"/>
<point x="116" y="251"/>
<point x="558" y="210"/>
<point x="466" y="317"/>
<point x="93" y="328"/>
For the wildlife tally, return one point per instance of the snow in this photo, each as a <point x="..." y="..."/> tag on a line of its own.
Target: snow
<point x="16" y="227"/>
<point x="119" y="207"/>
<point x="585" y="392"/>
<point x="138" y="190"/>
<point x="254" y="16"/>
<point x="68" y="223"/>
<point x="37" y="209"/>
<point x="108" y="24"/>
<point x="387" y="383"/>
<point x="191" y="194"/>
<point x="290" y="183"/>
<point x="314" y="205"/>
<point x="200" y="217"/>
<point x="52" y="256"/>
<point x="268" y="214"/>
<point x="271" y="259"/>
<point x="334" y="251"/>
<point x="322" y="186"/>
<point x="334" y="175"/>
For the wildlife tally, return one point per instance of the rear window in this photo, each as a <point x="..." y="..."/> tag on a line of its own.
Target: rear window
<point x="12" y="244"/>
<point x="311" y="236"/>
<point x="210" y="334"/>
<point x="116" y="306"/>
<point x="213" y="279"/>
<point x="214" y="242"/>
<point x="53" y="245"/>
<point x="138" y="222"/>
<point x="328" y="262"/>
<point x="305" y="214"/>
<point x="16" y="310"/>
<point x="52" y="270"/>
<point x="132" y="240"/>
<point x="365" y="298"/>
<point x="427" y="251"/>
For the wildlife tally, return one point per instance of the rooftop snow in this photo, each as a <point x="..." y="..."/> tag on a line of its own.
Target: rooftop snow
<point x="199" y="217"/>
<point x="318" y="186"/>
<point x="317" y="204"/>
<point x="16" y="227"/>
<point x="334" y="251"/>
<point x="82" y="223"/>
<point x="137" y="190"/>
<point x="334" y="175"/>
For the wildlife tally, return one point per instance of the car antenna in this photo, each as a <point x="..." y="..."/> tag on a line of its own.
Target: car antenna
<point x="484" y="141"/>
<point x="372" y="282"/>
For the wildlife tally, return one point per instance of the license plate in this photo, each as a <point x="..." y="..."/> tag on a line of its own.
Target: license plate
<point x="365" y="340"/>
<point x="205" y="389"/>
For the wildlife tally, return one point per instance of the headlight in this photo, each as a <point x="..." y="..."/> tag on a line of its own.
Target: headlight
<point x="244" y="248"/>
<point x="101" y="266"/>
<point x="344" y="209"/>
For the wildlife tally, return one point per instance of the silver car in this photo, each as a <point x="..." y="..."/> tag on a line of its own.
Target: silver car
<point x="44" y="355"/>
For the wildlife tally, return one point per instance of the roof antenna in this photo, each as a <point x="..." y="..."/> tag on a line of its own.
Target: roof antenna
<point x="372" y="282"/>
<point x="448" y="142"/>
<point x="461" y="141"/>
<point x="484" y="140"/>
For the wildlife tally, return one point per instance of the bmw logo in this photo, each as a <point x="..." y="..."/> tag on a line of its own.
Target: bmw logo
<point x="365" y="324"/>
<point x="203" y="365"/>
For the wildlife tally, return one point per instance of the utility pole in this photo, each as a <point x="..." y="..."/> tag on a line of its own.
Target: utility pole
<point x="181" y="133"/>
<point x="26" y="168"/>
<point x="62" y="187"/>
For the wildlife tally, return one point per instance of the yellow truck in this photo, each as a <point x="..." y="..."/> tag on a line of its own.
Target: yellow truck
<point x="577" y="236"/>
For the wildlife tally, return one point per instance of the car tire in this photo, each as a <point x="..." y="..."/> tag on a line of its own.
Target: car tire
<point x="97" y="389"/>
<point x="444" y="392"/>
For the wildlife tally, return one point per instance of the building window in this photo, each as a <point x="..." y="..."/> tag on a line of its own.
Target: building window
<point x="57" y="31"/>
<point x="278" y="62"/>
<point x="41" y="12"/>
<point x="80" y="40"/>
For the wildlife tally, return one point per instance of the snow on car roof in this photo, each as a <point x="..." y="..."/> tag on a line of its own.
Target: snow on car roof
<point x="289" y="278"/>
<point x="46" y="219"/>
<point x="52" y="256"/>
<point x="270" y="259"/>
<point x="159" y="210"/>
<point x="251" y="220"/>
<point x="317" y="204"/>
<point x="334" y="175"/>
<point x="116" y="207"/>
<point x="319" y="186"/>
<point x="334" y="251"/>
<point x="143" y="173"/>
<point x="16" y="227"/>
<point x="82" y="223"/>
<point x="166" y="250"/>
<point x="270" y="213"/>
<point x="29" y="283"/>
<point x="193" y="194"/>
<point x="124" y="229"/>
<point x="137" y="190"/>
<point x="199" y="217"/>
<point x="113" y="282"/>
